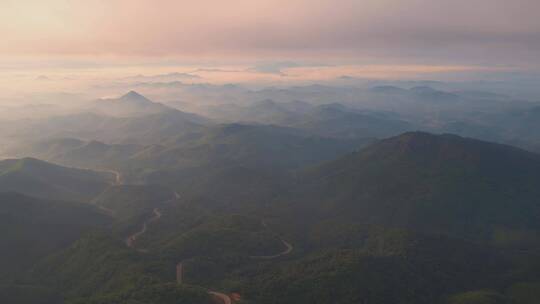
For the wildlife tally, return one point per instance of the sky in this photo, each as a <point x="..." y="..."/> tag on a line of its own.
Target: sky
<point x="269" y="39"/>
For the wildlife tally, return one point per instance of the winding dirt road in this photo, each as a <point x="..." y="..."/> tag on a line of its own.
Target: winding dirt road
<point x="107" y="211"/>
<point x="219" y="296"/>
<point x="130" y="240"/>
<point x="226" y="299"/>
<point x="288" y="249"/>
<point x="116" y="182"/>
<point x="117" y="176"/>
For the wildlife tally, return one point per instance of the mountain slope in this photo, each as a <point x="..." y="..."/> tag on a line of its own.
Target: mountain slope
<point x="31" y="228"/>
<point x="147" y="129"/>
<point x="79" y="153"/>
<point x="37" y="178"/>
<point x="420" y="273"/>
<point x="100" y="269"/>
<point x="250" y="145"/>
<point x="337" y="120"/>
<point x="436" y="184"/>
<point x="131" y="204"/>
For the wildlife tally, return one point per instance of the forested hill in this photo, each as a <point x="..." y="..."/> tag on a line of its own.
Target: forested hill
<point x="431" y="183"/>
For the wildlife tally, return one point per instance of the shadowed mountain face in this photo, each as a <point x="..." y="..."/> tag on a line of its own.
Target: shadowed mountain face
<point x="79" y="153"/>
<point x="41" y="179"/>
<point x="436" y="184"/>
<point x="32" y="228"/>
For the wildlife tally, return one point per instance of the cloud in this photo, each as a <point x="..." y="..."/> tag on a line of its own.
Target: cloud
<point x="42" y="78"/>
<point x="273" y="67"/>
<point x="216" y="70"/>
<point x="163" y="77"/>
<point x="413" y="31"/>
<point x="282" y="67"/>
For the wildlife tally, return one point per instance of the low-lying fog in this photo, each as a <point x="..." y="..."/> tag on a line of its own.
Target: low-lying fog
<point x="118" y="110"/>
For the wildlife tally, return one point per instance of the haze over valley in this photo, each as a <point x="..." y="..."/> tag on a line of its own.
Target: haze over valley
<point x="270" y="152"/>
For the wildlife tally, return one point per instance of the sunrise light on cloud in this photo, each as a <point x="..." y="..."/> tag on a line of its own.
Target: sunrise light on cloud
<point x="396" y="30"/>
<point x="319" y="39"/>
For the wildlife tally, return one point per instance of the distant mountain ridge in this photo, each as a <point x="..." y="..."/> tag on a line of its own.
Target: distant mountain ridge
<point x="130" y="119"/>
<point x="330" y="119"/>
<point x="38" y="178"/>
<point x="128" y="105"/>
<point x="32" y="228"/>
<point x="79" y="153"/>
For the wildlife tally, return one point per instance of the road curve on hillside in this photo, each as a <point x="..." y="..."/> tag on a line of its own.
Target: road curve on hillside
<point x="221" y="296"/>
<point x="116" y="182"/>
<point x="288" y="248"/>
<point x="117" y="175"/>
<point x="130" y="240"/>
<point x="224" y="298"/>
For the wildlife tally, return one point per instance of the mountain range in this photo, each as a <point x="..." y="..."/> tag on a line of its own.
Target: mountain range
<point x="274" y="201"/>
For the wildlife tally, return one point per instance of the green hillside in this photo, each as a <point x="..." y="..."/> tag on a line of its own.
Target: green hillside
<point x="41" y="179"/>
<point x="31" y="229"/>
<point x="415" y="219"/>
<point x="130" y="205"/>
<point x="100" y="269"/>
<point x="79" y="153"/>
<point x="431" y="183"/>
